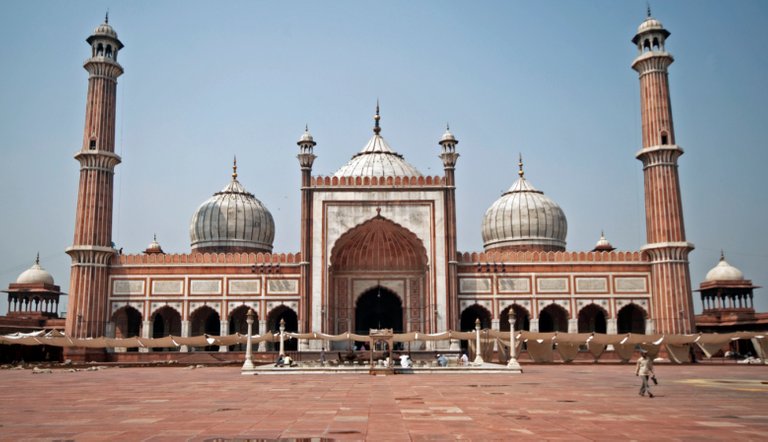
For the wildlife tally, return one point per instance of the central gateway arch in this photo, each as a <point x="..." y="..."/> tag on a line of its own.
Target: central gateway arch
<point x="378" y="279"/>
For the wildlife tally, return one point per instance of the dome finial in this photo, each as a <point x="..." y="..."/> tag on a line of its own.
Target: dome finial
<point x="154" y="237"/>
<point x="376" y="118"/>
<point x="648" y="8"/>
<point x="37" y="259"/>
<point x="234" y="169"/>
<point x="722" y="255"/>
<point x="106" y="17"/>
<point x="520" y="165"/>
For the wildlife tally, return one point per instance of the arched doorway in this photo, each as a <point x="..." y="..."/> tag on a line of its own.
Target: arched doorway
<point x="378" y="308"/>
<point x="631" y="319"/>
<point x="592" y="319"/>
<point x="238" y="324"/>
<point x="291" y="325"/>
<point x="205" y="321"/>
<point x="553" y="318"/>
<point x="522" y="318"/>
<point x="165" y="322"/>
<point x="468" y="318"/>
<point x="379" y="253"/>
<point x="127" y="322"/>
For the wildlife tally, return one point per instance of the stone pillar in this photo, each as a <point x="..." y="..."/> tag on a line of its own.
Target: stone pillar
<point x="573" y="325"/>
<point x="223" y="330"/>
<point x="495" y="325"/>
<point x="146" y="332"/>
<point x="185" y="327"/>
<point x="650" y="327"/>
<point x="611" y="326"/>
<point x="109" y="332"/>
<point x="262" y="330"/>
<point x="534" y="325"/>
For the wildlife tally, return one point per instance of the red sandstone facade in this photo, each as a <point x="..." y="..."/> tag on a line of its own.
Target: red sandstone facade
<point x="380" y="248"/>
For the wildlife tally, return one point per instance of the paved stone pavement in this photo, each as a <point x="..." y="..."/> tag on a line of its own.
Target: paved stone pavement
<point x="566" y="402"/>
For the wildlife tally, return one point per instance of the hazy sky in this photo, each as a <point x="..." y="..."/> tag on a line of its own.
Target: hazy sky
<point x="208" y="80"/>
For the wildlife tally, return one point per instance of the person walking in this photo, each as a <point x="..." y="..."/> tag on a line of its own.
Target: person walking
<point x="645" y="371"/>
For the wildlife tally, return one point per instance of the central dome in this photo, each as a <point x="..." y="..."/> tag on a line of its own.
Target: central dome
<point x="524" y="219"/>
<point x="232" y="220"/>
<point x="377" y="159"/>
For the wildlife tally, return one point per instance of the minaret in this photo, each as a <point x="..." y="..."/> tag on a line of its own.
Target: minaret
<point x="672" y="301"/>
<point x="449" y="156"/>
<point x="92" y="249"/>
<point x="306" y="158"/>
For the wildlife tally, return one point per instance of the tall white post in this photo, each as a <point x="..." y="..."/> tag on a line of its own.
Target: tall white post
<point x="282" y="336"/>
<point x="478" y="350"/>
<point x="513" y="364"/>
<point x="248" y="364"/>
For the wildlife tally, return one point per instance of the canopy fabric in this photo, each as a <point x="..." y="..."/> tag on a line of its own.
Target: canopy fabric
<point x="596" y="349"/>
<point x="540" y="350"/>
<point x="567" y="350"/>
<point x="760" y="343"/>
<point x="539" y="345"/>
<point x="711" y="343"/>
<point x="679" y="353"/>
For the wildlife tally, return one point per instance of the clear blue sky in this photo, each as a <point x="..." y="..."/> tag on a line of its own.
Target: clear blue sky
<point x="551" y="79"/>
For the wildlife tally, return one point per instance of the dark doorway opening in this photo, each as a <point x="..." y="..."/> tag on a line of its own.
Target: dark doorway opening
<point x="631" y="320"/>
<point x="592" y="320"/>
<point x="553" y="319"/>
<point x="378" y="308"/>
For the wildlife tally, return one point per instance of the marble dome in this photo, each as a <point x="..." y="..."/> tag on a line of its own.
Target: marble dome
<point x="724" y="272"/>
<point x="524" y="219"/>
<point x="377" y="159"/>
<point x="232" y="220"/>
<point x="35" y="275"/>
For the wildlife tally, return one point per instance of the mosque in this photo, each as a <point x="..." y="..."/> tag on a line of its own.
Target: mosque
<point x="378" y="244"/>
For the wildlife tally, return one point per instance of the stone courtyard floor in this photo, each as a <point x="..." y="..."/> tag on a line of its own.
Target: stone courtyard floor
<point x="565" y="402"/>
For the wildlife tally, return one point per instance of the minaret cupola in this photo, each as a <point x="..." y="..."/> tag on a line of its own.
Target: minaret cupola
<point x="104" y="41"/>
<point x="650" y="35"/>
<point x="306" y="154"/>
<point x="448" y="144"/>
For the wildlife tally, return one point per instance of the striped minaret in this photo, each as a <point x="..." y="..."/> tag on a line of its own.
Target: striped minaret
<point x="306" y="158"/>
<point x="449" y="156"/>
<point x="92" y="249"/>
<point x="672" y="302"/>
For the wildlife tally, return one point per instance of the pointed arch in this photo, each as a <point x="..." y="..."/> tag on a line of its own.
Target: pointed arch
<point x="593" y="319"/>
<point x="378" y="244"/>
<point x="553" y="318"/>
<point x="522" y="318"/>
<point x="631" y="319"/>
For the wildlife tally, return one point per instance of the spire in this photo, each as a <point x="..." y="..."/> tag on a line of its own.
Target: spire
<point x="154" y="237"/>
<point x="37" y="259"/>
<point x="106" y="17"/>
<point x="376" y="118"/>
<point x="648" y="9"/>
<point x="234" y="169"/>
<point x="722" y="255"/>
<point x="520" y="165"/>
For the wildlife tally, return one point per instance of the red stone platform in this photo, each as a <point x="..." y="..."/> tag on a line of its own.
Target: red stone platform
<point x="567" y="402"/>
